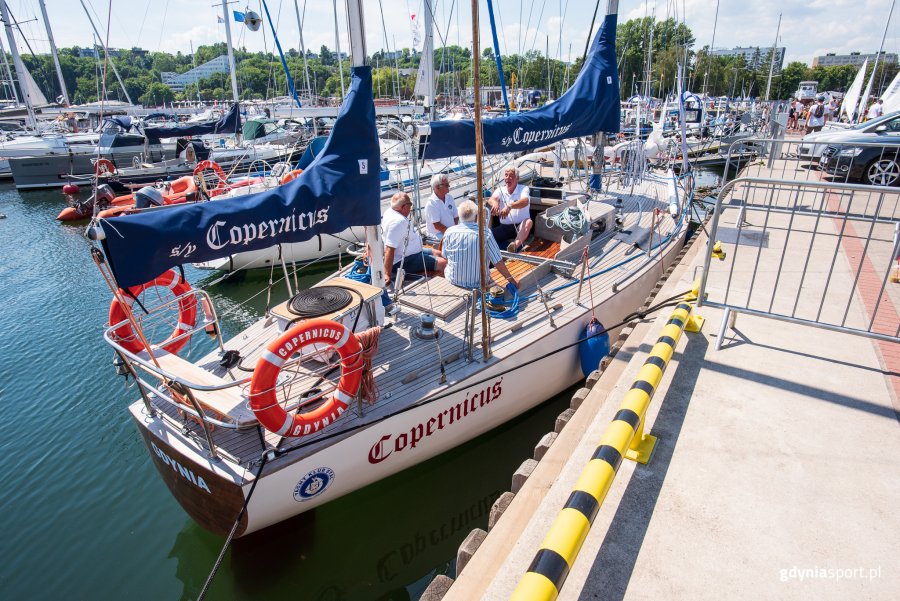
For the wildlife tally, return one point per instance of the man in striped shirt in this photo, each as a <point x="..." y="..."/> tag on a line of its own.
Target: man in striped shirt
<point x="460" y="248"/>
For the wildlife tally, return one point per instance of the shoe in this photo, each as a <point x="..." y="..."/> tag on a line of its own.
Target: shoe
<point x="513" y="247"/>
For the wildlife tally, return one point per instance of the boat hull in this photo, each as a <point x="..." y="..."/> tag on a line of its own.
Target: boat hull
<point x="55" y="170"/>
<point x="453" y="416"/>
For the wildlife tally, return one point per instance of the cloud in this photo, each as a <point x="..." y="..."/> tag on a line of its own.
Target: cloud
<point x="808" y="28"/>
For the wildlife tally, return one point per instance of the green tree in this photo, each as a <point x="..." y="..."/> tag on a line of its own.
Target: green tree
<point x="157" y="93"/>
<point x="325" y="56"/>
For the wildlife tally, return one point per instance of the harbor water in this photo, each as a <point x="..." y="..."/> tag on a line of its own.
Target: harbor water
<point x="86" y="515"/>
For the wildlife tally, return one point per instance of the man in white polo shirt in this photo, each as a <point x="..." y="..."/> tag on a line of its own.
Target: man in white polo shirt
<point x="511" y="202"/>
<point x="440" y="212"/>
<point x="403" y="244"/>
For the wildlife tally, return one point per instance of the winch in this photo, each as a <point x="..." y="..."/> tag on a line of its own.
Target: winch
<point x="426" y="330"/>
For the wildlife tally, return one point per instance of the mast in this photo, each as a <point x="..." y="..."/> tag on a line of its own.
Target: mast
<point x="231" y="66"/>
<point x="772" y="64"/>
<point x="303" y="47"/>
<point x="883" y="36"/>
<point x="711" y="45"/>
<point x="479" y="180"/>
<point x="428" y="56"/>
<point x="194" y="64"/>
<point x="548" y="68"/>
<point x="59" y="73"/>
<point x="287" y="71"/>
<point x="9" y="76"/>
<point x="358" y="59"/>
<point x="17" y="62"/>
<point x="497" y="58"/>
<point x="337" y="43"/>
<point x="105" y="50"/>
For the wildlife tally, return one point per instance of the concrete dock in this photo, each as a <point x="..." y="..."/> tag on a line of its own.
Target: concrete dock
<point x="777" y="469"/>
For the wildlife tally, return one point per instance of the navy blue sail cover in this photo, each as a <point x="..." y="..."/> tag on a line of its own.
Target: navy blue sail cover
<point x="339" y="189"/>
<point x="591" y="105"/>
<point x="228" y="124"/>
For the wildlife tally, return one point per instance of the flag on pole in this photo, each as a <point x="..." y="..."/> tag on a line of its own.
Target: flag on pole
<point x="238" y="16"/>
<point x="414" y="25"/>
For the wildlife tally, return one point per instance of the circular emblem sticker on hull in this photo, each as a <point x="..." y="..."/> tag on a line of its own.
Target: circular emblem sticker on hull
<point x="314" y="483"/>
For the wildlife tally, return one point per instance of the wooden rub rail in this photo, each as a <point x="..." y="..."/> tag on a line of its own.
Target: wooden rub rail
<point x="624" y="437"/>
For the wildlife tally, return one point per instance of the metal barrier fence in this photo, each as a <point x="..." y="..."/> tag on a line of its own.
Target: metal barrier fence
<point x="872" y="159"/>
<point x="809" y="252"/>
<point x="624" y="437"/>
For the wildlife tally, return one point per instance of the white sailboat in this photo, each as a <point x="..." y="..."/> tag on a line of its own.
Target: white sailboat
<point x="851" y="98"/>
<point x="244" y="447"/>
<point x="891" y="95"/>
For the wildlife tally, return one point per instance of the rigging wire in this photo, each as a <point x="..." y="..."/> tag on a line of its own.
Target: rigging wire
<point x="163" y="28"/>
<point x="143" y="22"/>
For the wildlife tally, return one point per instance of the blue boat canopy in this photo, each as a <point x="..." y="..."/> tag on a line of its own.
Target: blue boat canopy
<point x="228" y="124"/>
<point x="123" y="121"/>
<point x="339" y="189"/>
<point x="591" y="105"/>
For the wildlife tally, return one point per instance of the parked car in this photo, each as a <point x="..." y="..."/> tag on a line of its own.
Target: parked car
<point x="814" y="144"/>
<point x="877" y="165"/>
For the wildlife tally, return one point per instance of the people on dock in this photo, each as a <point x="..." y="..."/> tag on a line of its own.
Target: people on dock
<point x="816" y="118"/>
<point x="831" y="110"/>
<point x="440" y="212"/>
<point x="403" y="244"/>
<point x="510" y="202"/>
<point x="876" y="110"/>
<point x="460" y="247"/>
<point x="794" y="114"/>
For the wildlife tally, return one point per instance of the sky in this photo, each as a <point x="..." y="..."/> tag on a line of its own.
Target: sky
<point x="808" y="28"/>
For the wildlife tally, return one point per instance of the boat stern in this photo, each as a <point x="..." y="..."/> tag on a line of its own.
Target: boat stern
<point x="207" y="489"/>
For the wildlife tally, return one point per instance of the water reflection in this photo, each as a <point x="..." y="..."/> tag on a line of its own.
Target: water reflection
<point x="384" y="542"/>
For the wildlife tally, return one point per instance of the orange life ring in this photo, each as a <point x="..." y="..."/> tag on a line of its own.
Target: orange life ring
<point x="187" y="313"/>
<point x="290" y="175"/>
<point x="104" y="167"/>
<point x="214" y="166"/>
<point x="263" y="400"/>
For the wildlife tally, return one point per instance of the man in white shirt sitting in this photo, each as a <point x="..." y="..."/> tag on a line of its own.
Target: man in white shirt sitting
<point x="440" y="212"/>
<point x="511" y="202"/>
<point x="460" y="247"/>
<point x="403" y="244"/>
